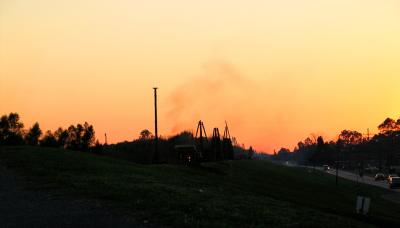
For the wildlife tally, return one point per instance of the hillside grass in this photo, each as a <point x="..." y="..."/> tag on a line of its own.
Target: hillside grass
<point x="224" y="194"/>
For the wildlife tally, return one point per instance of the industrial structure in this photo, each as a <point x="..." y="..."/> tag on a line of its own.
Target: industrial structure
<point x="199" y="148"/>
<point x="227" y="146"/>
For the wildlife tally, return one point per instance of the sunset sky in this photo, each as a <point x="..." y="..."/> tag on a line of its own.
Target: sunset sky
<point x="275" y="70"/>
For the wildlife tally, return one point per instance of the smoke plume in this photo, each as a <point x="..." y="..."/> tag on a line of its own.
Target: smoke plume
<point x="212" y="95"/>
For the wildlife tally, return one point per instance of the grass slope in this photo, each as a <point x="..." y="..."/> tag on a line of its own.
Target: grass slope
<point x="225" y="194"/>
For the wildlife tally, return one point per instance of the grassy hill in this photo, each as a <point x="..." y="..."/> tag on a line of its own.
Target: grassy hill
<point x="224" y="194"/>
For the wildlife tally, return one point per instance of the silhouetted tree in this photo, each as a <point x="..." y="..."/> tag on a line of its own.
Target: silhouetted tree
<point x="4" y="129"/>
<point x="283" y="154"/>
<point x="350" y="137"/>
<point x="381" y="150"/>
<point x="145" y="134"/>
<point x="320" y="143"/>
<point x="308" y="141"/>
<point x="61" y="137"/>
<point x="15" y="124"/>
<point x="323" y="153"/>
<point x="305" y="150"/>
<point x="251" y="153"/>
<point x="80" y="137"/>
<point x="317" y="151"/>
<point x="300" y="145"/>
<point x="389" y="125"/>
<point x="88" y="137"/>
<point x="49" y="140"/>
<point x="73" y="138"/>
<point x="33" y="135"/>
<point x="185" y="137"/>
<point x="11" y="130"/>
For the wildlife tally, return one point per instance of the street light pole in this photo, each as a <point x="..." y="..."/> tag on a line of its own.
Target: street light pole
<point x="337" y="162"/>
<point x="337" y="169"/>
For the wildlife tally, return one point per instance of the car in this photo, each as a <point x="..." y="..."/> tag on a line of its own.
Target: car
<point x="390" y="176"/>
<point x="394" y="182"/>
<point x="380" y="177"/>
<point x="326" y="167"/>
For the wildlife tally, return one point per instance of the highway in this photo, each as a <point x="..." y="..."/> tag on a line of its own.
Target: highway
<point x="349" y="176"/>
<point x="365" y="179"/>
<point x="394" y="196"/>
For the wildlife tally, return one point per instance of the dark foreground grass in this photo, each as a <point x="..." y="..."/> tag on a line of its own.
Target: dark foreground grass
<point x="226" y="194"/>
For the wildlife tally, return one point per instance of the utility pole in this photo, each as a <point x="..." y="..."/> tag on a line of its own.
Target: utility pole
<point x="337" y="163"/>
<point x="156" y="155"/>
<point x="337" y="172"/>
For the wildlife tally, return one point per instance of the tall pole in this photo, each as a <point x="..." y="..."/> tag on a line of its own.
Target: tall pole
<point x="337" y="165"/>
<point x="156" y="156"/>
<point x="337" y="172"/>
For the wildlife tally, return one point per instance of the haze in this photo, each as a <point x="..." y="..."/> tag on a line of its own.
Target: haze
<point x="275" y="70"/>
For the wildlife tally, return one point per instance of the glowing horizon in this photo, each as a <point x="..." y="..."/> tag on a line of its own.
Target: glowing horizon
<point x="275" y="71"/>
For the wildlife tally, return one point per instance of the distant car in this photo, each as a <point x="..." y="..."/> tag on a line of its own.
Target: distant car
<point x="380" y="177"/>
<point x="326" y="167"/>
<point x="394" y="182"/>
<point x="390" y="176"/>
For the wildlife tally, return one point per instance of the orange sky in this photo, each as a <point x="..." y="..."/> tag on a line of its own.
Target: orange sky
<point x="275" y="70"/>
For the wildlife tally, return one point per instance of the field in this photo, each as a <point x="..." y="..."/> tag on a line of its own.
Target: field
<point x="225" y="194"/>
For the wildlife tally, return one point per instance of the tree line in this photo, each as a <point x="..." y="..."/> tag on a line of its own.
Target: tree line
<point x="75" y="137"/>
<point x="350" y="150"/>
<point x="81" y="137"/>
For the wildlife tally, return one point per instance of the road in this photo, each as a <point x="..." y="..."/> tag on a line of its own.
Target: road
<point x="394" y="196"/>
<point x="365" y="179"/>
<point x="349" y="176"/>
